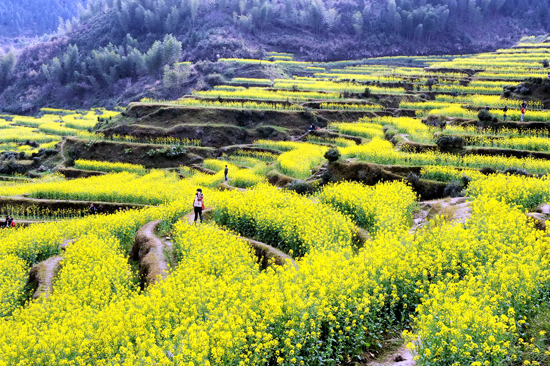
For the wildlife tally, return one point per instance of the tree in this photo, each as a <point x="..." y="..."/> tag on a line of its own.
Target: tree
<point x="172" y="50"/>
<point x="397" y="23"/>
<point x="332" y="18"/>
<point x="357" y="22"/>
<point x="7" y="67"/>
<point x="194" y="5"/>
<point x="419" y="32"/>
<point x="317" y="15"/>
<point x="153" y="58"/>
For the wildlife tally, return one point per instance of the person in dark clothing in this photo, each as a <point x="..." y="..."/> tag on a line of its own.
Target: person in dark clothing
<point x="92" y="209"/>
<point x="100" y="209"/>
<point x="487" y="108"/>
<point x="225" y="171"/>
<point x="312" y="127"/>
<point x="198" y="204"/>
<point x="523" y="105"/>
<point x="9" y="220"/>
<point x="505" y="110"/>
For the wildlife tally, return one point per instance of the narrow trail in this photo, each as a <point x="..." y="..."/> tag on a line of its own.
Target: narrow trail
<point x="540" y="216"/>
<point x="266" y="254"/>
<point x="63" y="157"/>
<point x="455" y="210"/>
<point x="399" y="357"/>
<point x="228" y="187"/>
<point x="43" y="275"/>
<point x="151" y="252"/>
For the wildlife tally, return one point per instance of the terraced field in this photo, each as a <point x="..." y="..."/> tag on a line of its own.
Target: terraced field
<point x="369" y="205"/>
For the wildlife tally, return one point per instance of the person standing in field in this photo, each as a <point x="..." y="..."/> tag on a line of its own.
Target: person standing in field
<point x="198" y="204"/>
<point x="505" y="110"/>
<point x="225" y="171"/>
<point x="523" y="107"/>
<point x="522" y="114"/>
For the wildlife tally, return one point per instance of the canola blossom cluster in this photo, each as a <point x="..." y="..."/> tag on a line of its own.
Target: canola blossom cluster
<point x="217" y="307"/>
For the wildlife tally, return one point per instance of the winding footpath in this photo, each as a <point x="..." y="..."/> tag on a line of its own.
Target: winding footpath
<point x="151" y="252"/>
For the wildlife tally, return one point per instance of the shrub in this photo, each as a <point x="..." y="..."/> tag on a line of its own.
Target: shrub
<point x="517" y="171"/>
<point x="447" y="143"/>
<point x="170" y="152"/>
<point x="214" y="79"/>
<point x="524" y="90"/>
<point x="486" y="119"/>
<point x="332" y="155"/>
<point x="301" y="187"/>
<point x="454" y="189"/>
<point x="413" y="179"/>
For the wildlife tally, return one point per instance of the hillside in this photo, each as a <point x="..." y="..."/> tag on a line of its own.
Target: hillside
<point x="34" y="18"/>
<point x="121" y="51"/>
<point x="407" y="226"/>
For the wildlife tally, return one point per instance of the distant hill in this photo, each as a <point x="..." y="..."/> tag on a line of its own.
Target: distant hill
<point x="35" y="17"/>
<point x="122" y="50"/>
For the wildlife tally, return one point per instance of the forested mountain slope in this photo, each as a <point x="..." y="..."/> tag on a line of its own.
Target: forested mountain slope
<point x="120" y="50"/>
<point x="36" y="17"/>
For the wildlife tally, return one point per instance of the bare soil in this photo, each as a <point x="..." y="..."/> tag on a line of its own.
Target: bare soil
<point x="371" y="174"/>
<point x="149" y="250"/>
<point x="108" y="207"/>
<point x="43" y="274"/>
<point x="399" y="357"/>
<point x="134" y="153"/>
<point x="453" y="209"/>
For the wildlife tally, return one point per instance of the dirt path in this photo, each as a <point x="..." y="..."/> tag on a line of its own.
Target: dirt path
<point x="399" y="357"/>
<point x="456" y="210"/>
<point x="268" y="255"/>
<point x="227" y="187"/>
<point x="190" y="217"/>
<point x="43" y="274"/>
<point x="152" y="253"/>
<point x="62" y="152"/>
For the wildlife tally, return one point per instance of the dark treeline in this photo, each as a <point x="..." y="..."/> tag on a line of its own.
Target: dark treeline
<point x="421" y="19"/>
<point x="119" y="50"/>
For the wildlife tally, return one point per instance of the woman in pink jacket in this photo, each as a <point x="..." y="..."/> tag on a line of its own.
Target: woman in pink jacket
<point x="198" y="204"/>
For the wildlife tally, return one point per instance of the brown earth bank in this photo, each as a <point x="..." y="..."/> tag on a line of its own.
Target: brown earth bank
<point x="149" y="250"/>
<point x="537" y="89"/>
<point x="219" y="127"/>
<point x="523" y="126"/>
<point x="371" y="174"/>
<point x="78" y="173"/>
<point x="53" y="205"/>
<point x="418" y="147"/>
<point x="148" y="155"/>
